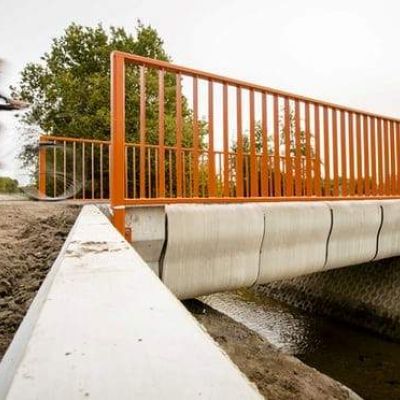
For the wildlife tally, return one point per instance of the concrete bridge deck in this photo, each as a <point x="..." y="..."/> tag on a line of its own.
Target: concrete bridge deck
<point x="103" y="326"/>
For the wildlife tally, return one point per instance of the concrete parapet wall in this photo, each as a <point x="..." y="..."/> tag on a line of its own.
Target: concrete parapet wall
<point x="211" y="248"/>
<point x="203" y="249"/>
<point x="389" y="236"/>
<point x="294" y="240"/>
<point x="354" y="233"/>
<point x="103" y="326"/>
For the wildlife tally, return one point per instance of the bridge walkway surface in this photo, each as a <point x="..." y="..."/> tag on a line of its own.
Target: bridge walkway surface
<point x="103" y="326"/>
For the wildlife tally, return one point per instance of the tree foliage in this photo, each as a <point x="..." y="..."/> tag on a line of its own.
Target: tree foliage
<point x="8" y="185"/>
<point x="69" y="89"/>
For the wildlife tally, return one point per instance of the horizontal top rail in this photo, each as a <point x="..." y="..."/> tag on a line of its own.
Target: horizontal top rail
<point x="47" y="138"/>
<point x="243" y="84"/>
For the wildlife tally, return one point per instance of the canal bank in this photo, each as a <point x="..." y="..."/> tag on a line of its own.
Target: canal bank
<point x="363" y="361"/>
<point x="365" y="295"/>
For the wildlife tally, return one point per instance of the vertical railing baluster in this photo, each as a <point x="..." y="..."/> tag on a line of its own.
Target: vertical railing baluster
<point x="239" y="142"/>
<point x="327" y="155"/>
<point x="277" y="161"/>
<point x="126" y="177"/>
<point x="380" y="156"/>
<point x="211" y="155"/>
<point x="367" y="183"/>
<point x="170" y="173"/>
<point x="308" y="165"/>
<point x="101" y="172"/>
<point x="343" y="150"/>
<point x="351" y="153"/>
<point x="253" y="157"/>
<point x="195" y="161"/>
<point x="264" y="156"/>
<point x="134" y="172"/>
<point x="288" y="150"/>
<point x="142" y="112"/>
<point x="55" y="171"/>
<point x="157" y="176"/>
<point x="83" y="172"/>
<point x="161" y="140"/>
<point x="184" y="173"/>
<point x="373" y="155"/>
<point x="298" y="149"/>
<point x="92" y="171"/>
<point x="225" y="140"/>
<point x="397" y="156"/>
<point x="178" y="155"/>
<point x="387" y="156"/>
<point x="65" y="165"/>
<point x="335" y="154"/>
<point x="74" y="168"/>
<point x="393" y="188"/>
<point x="317" y="168"/>
<point x="360" y="188"/>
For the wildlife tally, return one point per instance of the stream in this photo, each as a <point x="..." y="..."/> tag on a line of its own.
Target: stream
<point x="361" y="360"/>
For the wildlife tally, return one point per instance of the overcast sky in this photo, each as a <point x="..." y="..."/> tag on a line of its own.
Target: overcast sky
<point x="344" y="51"/>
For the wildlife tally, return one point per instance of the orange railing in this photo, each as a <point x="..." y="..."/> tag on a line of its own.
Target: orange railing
<point x="80" y="167"/>
<point x="182" y="135"/>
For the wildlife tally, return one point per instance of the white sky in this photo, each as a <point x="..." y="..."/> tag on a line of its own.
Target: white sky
<point x="340" y="51"/>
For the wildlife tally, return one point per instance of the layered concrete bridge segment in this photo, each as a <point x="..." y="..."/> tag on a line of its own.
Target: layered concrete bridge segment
<point x="103" y="326"/>
<point x="201" y="249"/>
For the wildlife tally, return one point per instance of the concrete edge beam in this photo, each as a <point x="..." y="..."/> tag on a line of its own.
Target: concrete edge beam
<point x="148" y="232"/>
<point x="354" y="235"/>
<point x="211" y="248"/>
<point x="103" y="326"/>
<point x="295" y="240"/>
<point x="389" y="234"/>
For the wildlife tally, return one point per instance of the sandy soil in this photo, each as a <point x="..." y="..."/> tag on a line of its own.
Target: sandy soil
<point x="31" y="235"/>
<point x="277" y="375"/>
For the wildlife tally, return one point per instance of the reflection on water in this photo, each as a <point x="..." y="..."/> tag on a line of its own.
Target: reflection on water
<point x="362" y="361"/>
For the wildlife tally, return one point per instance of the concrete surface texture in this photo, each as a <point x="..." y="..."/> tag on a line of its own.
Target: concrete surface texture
<point x="147" y="225"/>
<point x="354" y="235"/>
<point x="389" y="235"/>
<point x="203" y="248"/>
<point x="211" y="248"/>
<point x="104" y="327"/>
<point x="294" y="241"/>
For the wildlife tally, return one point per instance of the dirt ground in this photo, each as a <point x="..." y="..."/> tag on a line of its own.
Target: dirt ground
<point x="278" y="376"/>
<point x="31" y="235"/>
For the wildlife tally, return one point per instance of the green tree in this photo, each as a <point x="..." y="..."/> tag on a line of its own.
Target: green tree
<point x="8" y="185"/>
<point x="69" y="89"/>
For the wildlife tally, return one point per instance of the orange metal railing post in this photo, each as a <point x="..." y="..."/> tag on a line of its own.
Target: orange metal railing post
<point x="42" y="170"/>
<point x="117" y="162"/>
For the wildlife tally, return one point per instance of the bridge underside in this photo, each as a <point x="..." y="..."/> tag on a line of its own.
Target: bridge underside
<point x="200" y="249"/>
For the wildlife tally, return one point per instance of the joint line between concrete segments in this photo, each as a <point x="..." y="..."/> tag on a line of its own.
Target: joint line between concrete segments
<point x="329" y="237"/>
<point x="259" y="253"/>
<point x="379" y="232"/>
<point x="163" y="250"/>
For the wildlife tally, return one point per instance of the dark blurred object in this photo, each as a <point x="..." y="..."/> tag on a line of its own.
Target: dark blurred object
<point x="11" y="104"/>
